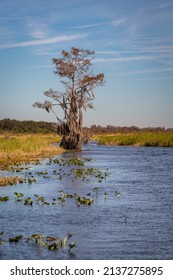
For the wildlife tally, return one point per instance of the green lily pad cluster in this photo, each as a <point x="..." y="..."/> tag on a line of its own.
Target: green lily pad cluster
<point x="82" y="173"/>
<point x="43" y="173"/>
<point x="57" y="241"/>
<point x="85" y="173"/>
<point x="84" y="200"/>
<point x="28" y="201"/>
<point x="78" y="199"/>
<point x="76" y="173"/>
<point x="4" y="198"/>
<point x="18" y="196"/>
<point x="68" y="162"/>
<point x="16" y="239"/>
<point x="51" y="242"/>
<point x="41" y="200"/>
<point x="18" y="164"/>
<point x="31" y="180"/>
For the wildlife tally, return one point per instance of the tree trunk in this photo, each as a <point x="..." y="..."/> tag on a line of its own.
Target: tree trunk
<point x="72" y="130"/>
<point x="71" y="141"/>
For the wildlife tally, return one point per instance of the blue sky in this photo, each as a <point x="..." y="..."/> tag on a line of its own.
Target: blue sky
<point x="133" y="44"/>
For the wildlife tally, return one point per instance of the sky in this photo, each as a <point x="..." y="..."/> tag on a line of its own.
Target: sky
<point x="133" y="44"/>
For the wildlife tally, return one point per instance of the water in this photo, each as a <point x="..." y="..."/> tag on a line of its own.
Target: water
<point x="136" y="225"/>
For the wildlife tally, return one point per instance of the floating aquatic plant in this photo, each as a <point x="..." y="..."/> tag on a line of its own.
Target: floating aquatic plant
<point x="117" y="194"/>
<point x="4" y="198"/>
<point x="86" y="173"/>
<point x="51" y="238"/>
<point x="40" y="199"/>
<point x="46" y="203"/>
<point x="28" y="201"/>
<point x="67" y="162"/>
<point x="96" y="189"/>
<point x="1" y="241"/>
<point x="42" y="172"/>
<point x="69" y="235"/>
<point x="71" y="245"/>
<point x="31" y="180"/>
<point x="40" y="239"/>
<point x="53" y="246"/>
<point x="18" y="196"/>
<point x="84" y="200"/>
<point x="16" y="239"/>
<point x="37" y="238"/>
<point x="62" y="199"/>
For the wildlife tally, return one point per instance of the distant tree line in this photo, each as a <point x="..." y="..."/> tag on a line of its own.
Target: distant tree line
<point x="96" y="129"/>
<point x="16" y="126"/>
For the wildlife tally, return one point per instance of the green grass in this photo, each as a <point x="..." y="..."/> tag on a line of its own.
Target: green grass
<point x="26" y="147"/>
<point x="149" y="139"/>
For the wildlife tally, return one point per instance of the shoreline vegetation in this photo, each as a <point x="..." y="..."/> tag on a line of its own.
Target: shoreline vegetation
<point x="21" y="148"/>
<point x="146" y="139"/>
<point x="25" y="148"/>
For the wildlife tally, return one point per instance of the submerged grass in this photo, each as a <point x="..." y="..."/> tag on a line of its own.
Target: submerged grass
<point x="149" y="139"/>
<point x="17" y="148"/>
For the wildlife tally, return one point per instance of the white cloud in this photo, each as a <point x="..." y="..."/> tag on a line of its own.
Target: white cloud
<point x="163" y="54"/>
<point x="37" y="30"/>
<point x="156" y="7"/>
<point x="146" y="71"/>
<point x="118" y="22"/>
<point x="153" y="78"/>
<point x="114" y="23"/>
<point x="125" y="59"/>
<point x="53" y="40"/>
<point x="91" y="25"/>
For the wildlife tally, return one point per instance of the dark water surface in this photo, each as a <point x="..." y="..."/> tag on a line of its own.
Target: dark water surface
<point x="136" y="225"/>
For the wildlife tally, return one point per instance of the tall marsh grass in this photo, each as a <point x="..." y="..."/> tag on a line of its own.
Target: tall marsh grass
<point x="26" y="147"/>
<point x="149" y="139"/>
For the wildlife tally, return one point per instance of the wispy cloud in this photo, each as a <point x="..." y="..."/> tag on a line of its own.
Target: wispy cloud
<point x="158" y="49"/>
<point x="53" y="40"/>
<point x="156" y="7"/>
<point x="146" y="71"/>
<point x="153" y="78"/>
<point x="45" y="53"/>
<point x="36" y="29"/>
<point x="113" y="23"/>
<point x="125" y="59"/>
<point x="118" y="22"/>
<point x="167" y="49"/>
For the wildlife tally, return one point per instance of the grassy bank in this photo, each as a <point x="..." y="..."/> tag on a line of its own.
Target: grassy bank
<point x="149" y="139"/>
<point x="16" y="148"/>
